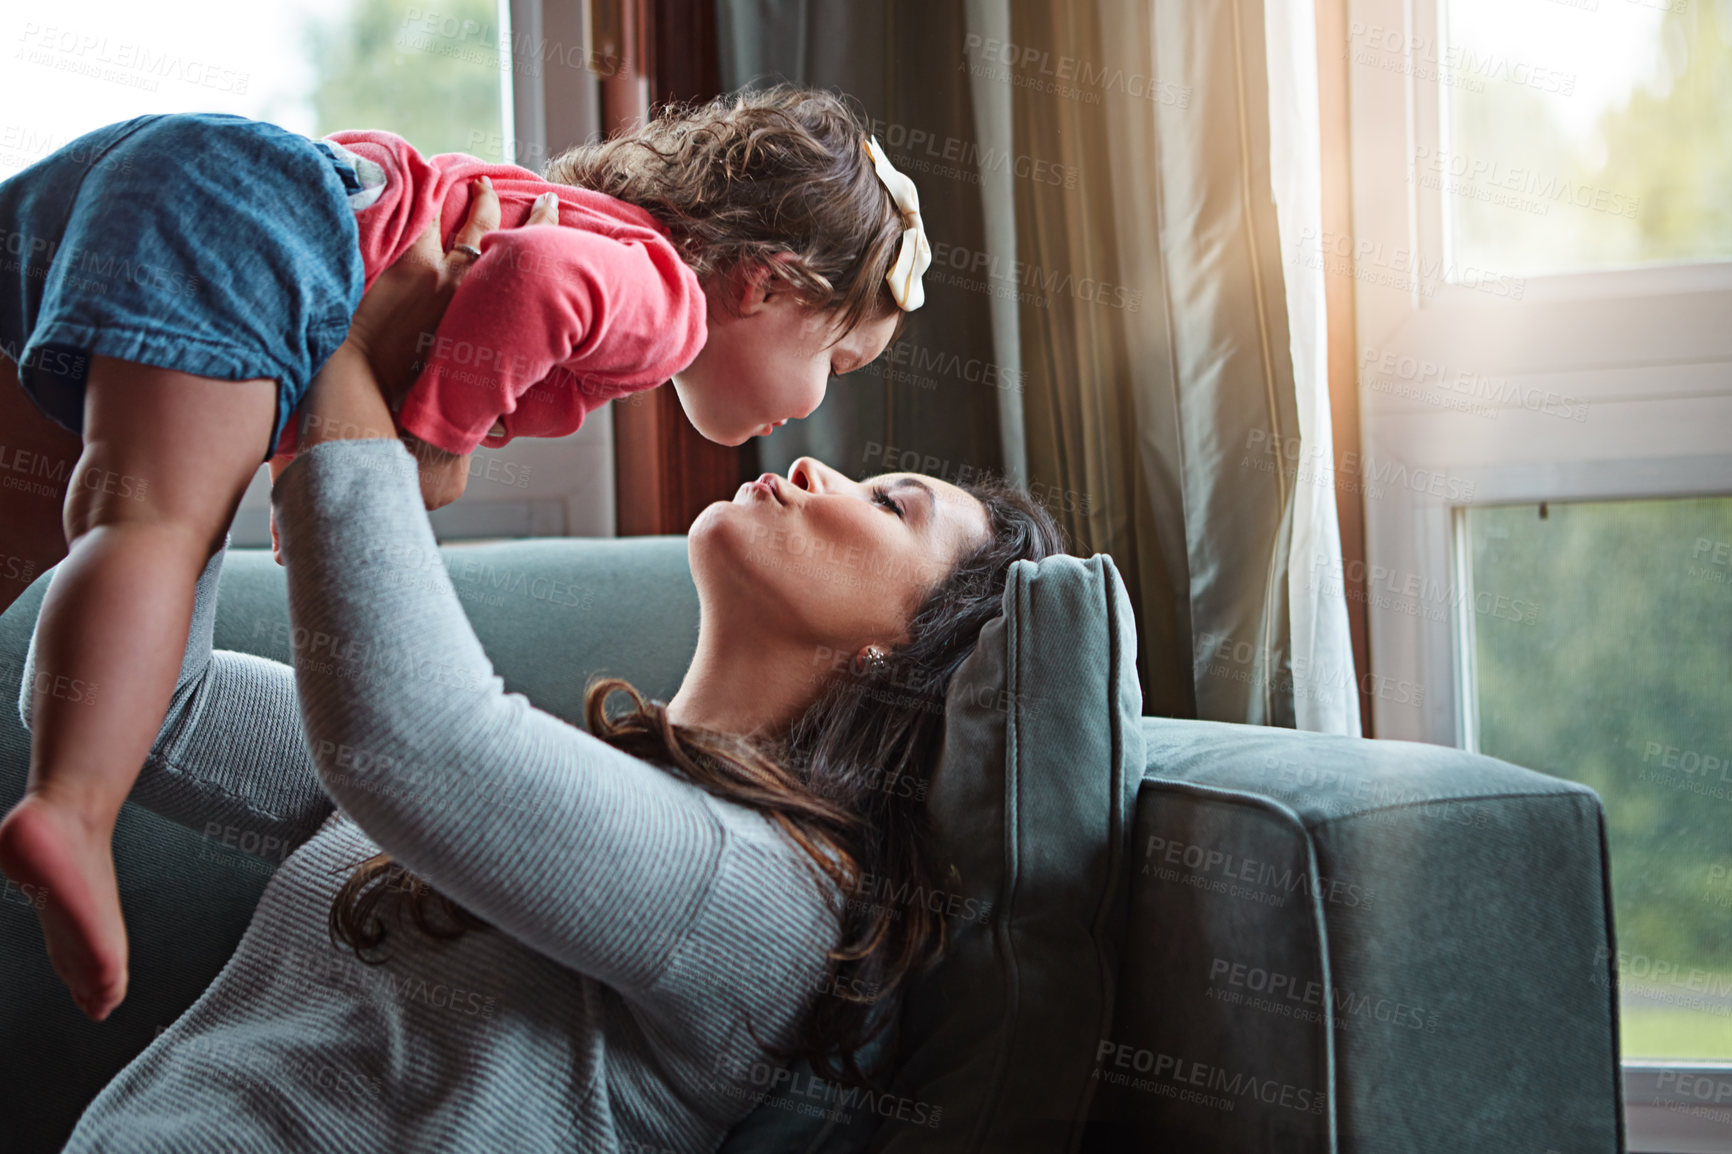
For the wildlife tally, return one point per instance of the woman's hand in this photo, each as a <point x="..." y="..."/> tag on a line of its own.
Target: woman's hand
<point x="364" y="382"/>
<point x="395" y="324"/>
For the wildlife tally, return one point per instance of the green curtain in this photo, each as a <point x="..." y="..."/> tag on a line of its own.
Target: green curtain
<point x="916" y="410"/>
<point x="1107" y="312"/>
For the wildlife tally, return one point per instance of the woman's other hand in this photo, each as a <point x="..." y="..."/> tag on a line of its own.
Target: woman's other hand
<point x="366" y="379"/>
<point x="395" y="325"/>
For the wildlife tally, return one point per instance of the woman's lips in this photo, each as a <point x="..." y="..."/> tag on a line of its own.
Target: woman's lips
<point x="767" y="489"/>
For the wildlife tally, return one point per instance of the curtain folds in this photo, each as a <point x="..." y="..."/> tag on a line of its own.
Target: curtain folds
<point x="1109" y="188"/>
<point x="932" y="406"/>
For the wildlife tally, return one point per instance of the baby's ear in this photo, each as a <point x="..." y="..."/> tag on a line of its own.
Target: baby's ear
<point x="781" y="273"/>
<point x="752" y="283"/>
<point x="785" y="269"/>
<point x="743" y="288"/>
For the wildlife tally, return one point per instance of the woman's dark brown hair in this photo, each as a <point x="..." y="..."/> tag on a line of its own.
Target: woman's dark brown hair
<point x="775" y="178"/>
<point x="835" y="783"/>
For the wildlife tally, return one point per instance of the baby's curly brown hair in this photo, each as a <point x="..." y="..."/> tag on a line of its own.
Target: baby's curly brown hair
<point x="773" y="178"/>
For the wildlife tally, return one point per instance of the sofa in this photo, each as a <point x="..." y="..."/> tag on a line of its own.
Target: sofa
<point x="1162" y="934"/>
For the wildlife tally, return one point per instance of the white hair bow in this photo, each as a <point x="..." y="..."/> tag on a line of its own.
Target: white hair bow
<point x="915" y="254"/>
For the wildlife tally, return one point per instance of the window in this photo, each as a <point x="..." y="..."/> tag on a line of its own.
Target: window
<point x="1578" y="358"/>
<point x="1586" y="133"/>
<point x="447" y="77"/>
<point x="1602" y="652"/>
<point x="312" y="66"/>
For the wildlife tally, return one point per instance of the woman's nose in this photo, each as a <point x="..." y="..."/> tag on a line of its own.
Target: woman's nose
<point x="806" y="473"/>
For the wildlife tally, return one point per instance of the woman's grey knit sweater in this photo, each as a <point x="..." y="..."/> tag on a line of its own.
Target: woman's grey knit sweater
<point x="640" y="923"/>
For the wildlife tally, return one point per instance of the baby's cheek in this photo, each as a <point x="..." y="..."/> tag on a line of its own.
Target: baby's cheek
<point x="815" y="386"/>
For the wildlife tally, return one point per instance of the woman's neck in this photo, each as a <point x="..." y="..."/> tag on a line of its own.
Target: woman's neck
<point x="748" y="685"/>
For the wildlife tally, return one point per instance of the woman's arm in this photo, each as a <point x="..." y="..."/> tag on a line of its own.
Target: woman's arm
<point x="588" y="855"/>
<point x="395" y="324"/>
<point x="401" y="312"/>
<point x="592" y="857"/>
<point x="229" y="760"/>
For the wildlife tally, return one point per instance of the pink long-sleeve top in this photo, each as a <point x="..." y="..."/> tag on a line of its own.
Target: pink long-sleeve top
<point x="551" y="322"/>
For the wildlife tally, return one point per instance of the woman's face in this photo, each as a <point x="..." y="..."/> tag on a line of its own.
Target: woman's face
<point x="815" y="559"/>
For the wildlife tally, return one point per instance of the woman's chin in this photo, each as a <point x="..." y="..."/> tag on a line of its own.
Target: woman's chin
<point x="722" y="528"/>
<point x="724" y="548"/>
<point x="706" y="522"/>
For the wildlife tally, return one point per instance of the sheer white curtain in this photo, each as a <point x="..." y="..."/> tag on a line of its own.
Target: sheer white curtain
<point x="1192" y="421"/>
<point x="1326" y="697"/>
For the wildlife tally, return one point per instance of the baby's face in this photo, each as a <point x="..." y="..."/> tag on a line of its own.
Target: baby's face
<point x="767" y="360"/>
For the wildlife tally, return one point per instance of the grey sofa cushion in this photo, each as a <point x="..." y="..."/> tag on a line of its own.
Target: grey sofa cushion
<point x="1030" y="806"/>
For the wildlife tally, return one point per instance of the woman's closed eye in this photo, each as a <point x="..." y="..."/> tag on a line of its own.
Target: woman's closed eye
<point x="881" y="496"/>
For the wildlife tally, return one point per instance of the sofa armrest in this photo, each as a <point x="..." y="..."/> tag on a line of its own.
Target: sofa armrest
<point x="1361" y="945"/>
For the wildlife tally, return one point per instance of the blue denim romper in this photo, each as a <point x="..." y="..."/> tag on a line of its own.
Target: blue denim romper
<point x="212" y="244"/>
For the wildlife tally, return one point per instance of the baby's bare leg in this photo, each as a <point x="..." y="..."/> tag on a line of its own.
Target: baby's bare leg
<point x="37" y="456"/>
<point x="166" y="458"/>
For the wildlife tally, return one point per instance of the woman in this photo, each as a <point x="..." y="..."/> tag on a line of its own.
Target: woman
<point x="576" y="942"/>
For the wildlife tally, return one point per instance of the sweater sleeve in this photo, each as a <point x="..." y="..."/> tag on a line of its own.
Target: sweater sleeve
<point x="584" y="314"/>
<point x="229" y="760"/>
<point x="589" y="856"/>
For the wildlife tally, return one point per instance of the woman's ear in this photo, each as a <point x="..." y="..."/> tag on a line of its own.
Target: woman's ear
<point x="869" y="659"/>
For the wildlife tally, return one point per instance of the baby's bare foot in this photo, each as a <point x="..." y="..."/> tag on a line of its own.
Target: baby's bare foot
<point x="69" y="863"/>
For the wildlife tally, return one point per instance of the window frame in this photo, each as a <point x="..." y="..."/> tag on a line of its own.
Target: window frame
<point x="1641" y="356"/>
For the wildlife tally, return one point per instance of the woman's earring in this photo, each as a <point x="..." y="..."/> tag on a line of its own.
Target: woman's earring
<point x="874" y="661"/>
